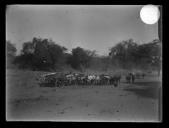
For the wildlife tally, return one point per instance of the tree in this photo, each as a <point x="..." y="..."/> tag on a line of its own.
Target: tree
<point x="124" y="53"/>
<point x="130" y="55"/>
<point x="10" y="52"/>
<point x="11" y="49"/>
<point x="43" y="54"/>
<point x="24" y="61"/>
<point x="56" y="53"/>
<point x="80" y="58"/>
<point x="156" y="55"/>
<point x="150" y="54"/>
<point x="26" y="58"/>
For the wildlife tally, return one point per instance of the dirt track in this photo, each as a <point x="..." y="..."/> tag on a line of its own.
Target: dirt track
<point x="138" y="102"/>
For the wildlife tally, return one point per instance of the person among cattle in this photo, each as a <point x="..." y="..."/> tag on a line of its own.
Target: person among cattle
<point x="133" y="77"/>
<point x="130" y="78"/>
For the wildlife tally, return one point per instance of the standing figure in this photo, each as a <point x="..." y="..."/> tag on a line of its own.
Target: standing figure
<point x="132" y="77"/>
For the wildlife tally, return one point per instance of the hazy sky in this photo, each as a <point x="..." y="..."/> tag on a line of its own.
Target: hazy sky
<point x="94" y="27"/>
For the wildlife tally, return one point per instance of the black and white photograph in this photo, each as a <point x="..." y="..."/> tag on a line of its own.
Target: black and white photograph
<point x="84" y="63"/>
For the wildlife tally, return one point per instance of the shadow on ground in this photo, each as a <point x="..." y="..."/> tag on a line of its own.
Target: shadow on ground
<point x="148" y="90"/>
<point x="149" y="84"/>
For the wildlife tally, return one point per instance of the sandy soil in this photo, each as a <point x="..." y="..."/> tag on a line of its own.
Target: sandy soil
<point x="27" y="101"/>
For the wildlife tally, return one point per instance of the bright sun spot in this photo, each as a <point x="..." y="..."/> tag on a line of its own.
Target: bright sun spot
<point x="149" y="14"/>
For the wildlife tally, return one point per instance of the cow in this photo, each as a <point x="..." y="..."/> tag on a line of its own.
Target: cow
<point x="47" y="79"/>
<point x="97" y="80"/>
<point x="82" y="80"/>
<point x="105" y="79"/>
<point x="69" y="78"/>
<point x="117" y="78"/>
<point x="61" y="81"/>
<point x="113" y="81"/>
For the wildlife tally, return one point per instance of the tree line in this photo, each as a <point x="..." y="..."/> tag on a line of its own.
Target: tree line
<point x="44" y="55"/>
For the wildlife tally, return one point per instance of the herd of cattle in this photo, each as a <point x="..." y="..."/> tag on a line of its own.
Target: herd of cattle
<point x="55" y="79"/>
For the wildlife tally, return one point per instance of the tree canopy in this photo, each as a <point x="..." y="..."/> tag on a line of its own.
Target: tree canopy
<point x="10" y="52"/>
<point x="11" y="49"/>
<point x="45" y="54"/>
<point x="80" y="58"/>
<point x="40" y="54"/>
<point x="129" y="54"/>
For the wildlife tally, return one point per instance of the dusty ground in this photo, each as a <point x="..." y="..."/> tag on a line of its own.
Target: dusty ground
<point x="27" y="101"/>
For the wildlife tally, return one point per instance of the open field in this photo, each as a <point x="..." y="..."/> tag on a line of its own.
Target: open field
<point x="128" y="102"/>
